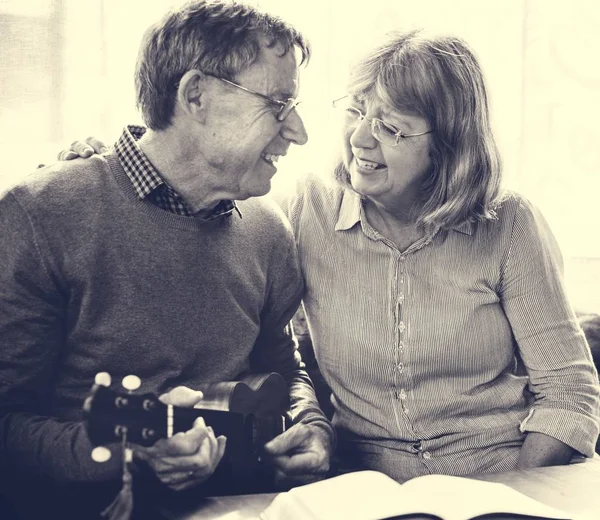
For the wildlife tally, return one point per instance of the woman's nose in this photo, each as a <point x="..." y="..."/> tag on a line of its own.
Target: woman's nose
<point x="361" y="135"/>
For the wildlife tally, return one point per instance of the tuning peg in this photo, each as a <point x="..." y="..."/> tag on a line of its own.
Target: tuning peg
<point x="101" y="454"/>
<point x="102" y="379"/>
<point x="131" y="383"/>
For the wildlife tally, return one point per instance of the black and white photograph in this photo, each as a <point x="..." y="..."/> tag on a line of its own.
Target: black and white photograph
<point x="299" y="259"/>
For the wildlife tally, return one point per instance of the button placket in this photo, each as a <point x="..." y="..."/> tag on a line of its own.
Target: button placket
<point x="403" y="396"/>
<point x="401" y="327"/>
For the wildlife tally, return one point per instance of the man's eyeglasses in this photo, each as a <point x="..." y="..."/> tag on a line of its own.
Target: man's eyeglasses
<point x="281" y="109"/>
<point x="384" y="132"/>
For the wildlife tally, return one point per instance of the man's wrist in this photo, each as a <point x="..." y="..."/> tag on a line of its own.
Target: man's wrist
<point x="326" y="432"/>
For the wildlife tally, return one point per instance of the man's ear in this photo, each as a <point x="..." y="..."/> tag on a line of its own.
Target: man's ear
<point x="191" y="94"/>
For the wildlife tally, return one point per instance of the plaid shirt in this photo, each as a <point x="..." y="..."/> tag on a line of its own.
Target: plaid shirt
<point x="149" y="184"/>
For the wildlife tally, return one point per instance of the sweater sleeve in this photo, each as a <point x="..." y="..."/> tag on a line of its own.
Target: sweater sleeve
<point x="552" y="345"/>
<point x="276" y="348"/>
<point x="32" y="338"/>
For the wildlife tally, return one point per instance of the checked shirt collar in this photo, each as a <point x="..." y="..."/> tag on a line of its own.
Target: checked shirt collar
<point x="148" y="183"/>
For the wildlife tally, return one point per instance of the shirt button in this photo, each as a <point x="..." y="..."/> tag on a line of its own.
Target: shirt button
<point x="426" y="455"/>
<point x="401" y="298"/>
<point x="400" y="367"/>
<point x="402" y="326"/>
<point x="402" y="394"/>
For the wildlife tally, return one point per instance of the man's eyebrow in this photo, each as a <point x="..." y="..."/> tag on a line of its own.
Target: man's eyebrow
<point x="283" y="95"/>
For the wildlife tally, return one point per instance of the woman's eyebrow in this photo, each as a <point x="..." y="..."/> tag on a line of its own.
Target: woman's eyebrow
<point x="356" y="99"/>
<point x="396" y="118"/>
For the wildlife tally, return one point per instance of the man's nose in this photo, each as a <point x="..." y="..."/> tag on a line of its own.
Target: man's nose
<point x="293" y="128"/>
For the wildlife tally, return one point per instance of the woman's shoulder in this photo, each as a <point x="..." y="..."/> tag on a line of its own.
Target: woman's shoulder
<point x="313" y="193"/>
<point x="320" y="187"/>
<point x="518" y="217"/>
<point x="510" y="200"/>
<point x="512" y="205"/>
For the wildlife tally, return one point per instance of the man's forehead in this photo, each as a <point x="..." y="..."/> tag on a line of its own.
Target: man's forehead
<point x="276" y="70"/>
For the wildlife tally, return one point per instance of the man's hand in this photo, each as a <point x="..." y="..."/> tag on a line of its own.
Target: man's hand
<point x="188" y="458"/>
<point x="84" y="149"/>
<point x="300" y="455"/>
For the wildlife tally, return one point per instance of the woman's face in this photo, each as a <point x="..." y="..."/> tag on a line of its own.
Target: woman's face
<point x="388" y="175"/>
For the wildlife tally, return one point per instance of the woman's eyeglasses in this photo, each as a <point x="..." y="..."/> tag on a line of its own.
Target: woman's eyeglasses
<point x="384" y="132"/>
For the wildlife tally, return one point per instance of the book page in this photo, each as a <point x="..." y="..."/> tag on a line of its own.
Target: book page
<point x="458" y="498"/>
<point x="363" y="495"/>
<point x="370" y="495"/>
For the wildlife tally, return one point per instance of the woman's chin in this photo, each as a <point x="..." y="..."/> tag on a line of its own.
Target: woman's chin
<point x="365" y="185"/>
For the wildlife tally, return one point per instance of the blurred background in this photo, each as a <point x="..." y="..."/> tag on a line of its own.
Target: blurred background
<point x="66" y="73"/>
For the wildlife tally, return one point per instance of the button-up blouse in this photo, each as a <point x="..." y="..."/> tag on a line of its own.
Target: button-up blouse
<point x="461" y="343"/>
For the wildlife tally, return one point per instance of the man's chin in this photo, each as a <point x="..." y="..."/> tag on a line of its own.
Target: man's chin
<point x="255" y="191"/>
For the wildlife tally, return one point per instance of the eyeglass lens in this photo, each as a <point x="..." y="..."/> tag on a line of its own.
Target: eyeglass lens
<point x="286" y="109"/>
<point x="380" y="130"/>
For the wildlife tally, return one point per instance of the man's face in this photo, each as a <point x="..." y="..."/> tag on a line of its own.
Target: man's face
<point x="243" y="138"/>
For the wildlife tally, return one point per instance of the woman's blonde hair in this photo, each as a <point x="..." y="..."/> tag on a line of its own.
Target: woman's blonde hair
<point x="439" y="79"/>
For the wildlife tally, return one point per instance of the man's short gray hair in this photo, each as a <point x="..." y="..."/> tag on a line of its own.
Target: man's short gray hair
<point x="218" y="37"/>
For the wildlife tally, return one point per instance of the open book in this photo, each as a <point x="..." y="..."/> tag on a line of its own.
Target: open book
<point x="370" y="495"/>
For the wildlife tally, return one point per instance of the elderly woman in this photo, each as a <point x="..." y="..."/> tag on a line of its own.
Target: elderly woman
<point x="435" y="300"/>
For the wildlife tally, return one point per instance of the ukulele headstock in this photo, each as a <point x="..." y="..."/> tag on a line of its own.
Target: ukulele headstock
<point x="110" y="414"/>
<point x="248" y="413"/>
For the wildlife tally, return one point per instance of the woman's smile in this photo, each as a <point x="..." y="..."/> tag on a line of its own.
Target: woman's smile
<point x="368" y="166"/>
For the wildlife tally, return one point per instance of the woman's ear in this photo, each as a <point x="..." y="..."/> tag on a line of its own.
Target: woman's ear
<point x="191" y="94"/>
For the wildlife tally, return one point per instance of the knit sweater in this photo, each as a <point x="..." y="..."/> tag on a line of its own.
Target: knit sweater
<point x="95" y="279"/>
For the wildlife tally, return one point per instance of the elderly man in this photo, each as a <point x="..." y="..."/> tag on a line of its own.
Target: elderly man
<point x="139" y="261"/>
